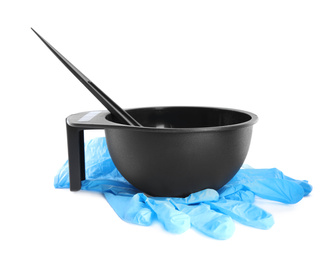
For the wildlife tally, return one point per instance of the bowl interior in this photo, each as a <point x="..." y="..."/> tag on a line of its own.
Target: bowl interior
<point x="185" y="117"/>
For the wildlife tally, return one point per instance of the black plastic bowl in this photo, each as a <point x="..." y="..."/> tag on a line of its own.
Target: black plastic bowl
<point x="180" y="150"/>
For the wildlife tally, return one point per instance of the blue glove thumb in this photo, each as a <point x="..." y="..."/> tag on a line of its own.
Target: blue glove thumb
<point x="269" y="184"/>
<point x="277" y="190"/>
<point x="207" y="221"/>
<point x="202" y="217"/>
<point x="173" y="220"/>
<point x="244" y="212"/>
<point x="131" y="209"/>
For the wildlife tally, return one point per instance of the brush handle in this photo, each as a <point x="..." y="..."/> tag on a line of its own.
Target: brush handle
<point x="99" y="94"/>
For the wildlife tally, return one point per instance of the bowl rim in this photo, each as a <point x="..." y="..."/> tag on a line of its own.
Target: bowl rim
<point x="253" y="119"/>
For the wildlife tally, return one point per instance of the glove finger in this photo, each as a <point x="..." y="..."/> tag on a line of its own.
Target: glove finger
<point x="173" y="220"/>
<point x="245" y="213"/>
<point x="207" y="221"/>
<point x="130" y="209"/>
<point x="277" y="189"/>
<point x="307" y="188"/>
<point x="250" y="174"/>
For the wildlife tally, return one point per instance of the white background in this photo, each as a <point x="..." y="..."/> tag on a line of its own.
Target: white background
<point x="274" y="58"/>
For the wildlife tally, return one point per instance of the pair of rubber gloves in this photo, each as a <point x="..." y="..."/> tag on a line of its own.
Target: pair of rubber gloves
<point x="209" y="211"/>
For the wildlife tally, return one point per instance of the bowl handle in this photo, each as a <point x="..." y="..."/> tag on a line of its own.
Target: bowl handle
<point x="75" y="126"/>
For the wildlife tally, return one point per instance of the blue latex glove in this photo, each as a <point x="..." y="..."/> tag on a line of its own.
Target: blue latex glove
<point x="269" y="184"/>
<point x="208" y="211"/>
